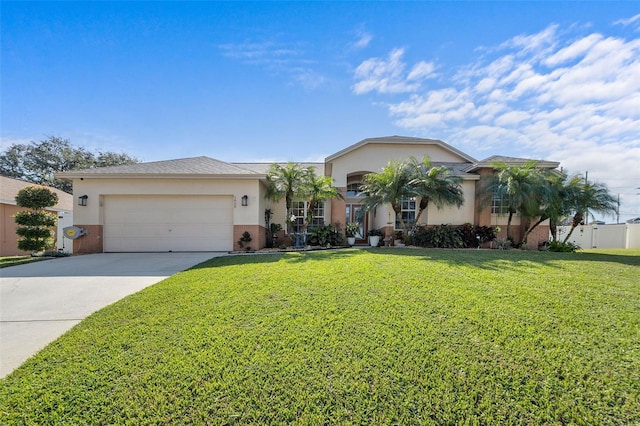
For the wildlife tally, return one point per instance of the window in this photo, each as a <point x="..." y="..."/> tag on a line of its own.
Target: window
<point x="353" y="190"/>
<point x="318" y="215"/>
<point x="499" y="205"/>
<point x="408" y="212"/>
<point x="299" y="210"/>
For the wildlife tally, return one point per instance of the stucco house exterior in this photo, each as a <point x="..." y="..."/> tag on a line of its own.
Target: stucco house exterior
<point x="204" y="204"/>
<point x="9" y="189"/>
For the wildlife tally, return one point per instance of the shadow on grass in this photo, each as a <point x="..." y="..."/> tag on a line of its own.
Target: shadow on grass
<point x="240" y="259"/>
<point x="499" y="259"/>
<point x="485" y="259"/>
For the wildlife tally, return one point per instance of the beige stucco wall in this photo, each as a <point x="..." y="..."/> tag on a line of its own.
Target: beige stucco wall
<point x="373" y="157"/>
<point x="452" y="215"/>
<point x="97" y="188"/>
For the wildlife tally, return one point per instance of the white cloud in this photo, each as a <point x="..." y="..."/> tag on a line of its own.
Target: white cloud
<point x="309" y="79"/>
<point x="573" y="98"/>
<point x="364" y="38"/>
<point x="573" y="51"/>
<point x="388" y="75"/>
<point x="422" y="70"/>
<point x="278" y="59"/>
<point x="629" y="21"/>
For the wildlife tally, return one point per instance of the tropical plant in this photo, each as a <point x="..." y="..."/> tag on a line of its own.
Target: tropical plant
<point x="375" y="232"/>
<point x="287" y="182"/>
<point x="524" y="189"/>
<point x="352" y="229"/>
<point x="390" y="186"/>
<point x="565" y="247"/>
<point x="35" y="226"/>
<point x="326" y="235"/>
<point x="434" y="184"/>
<point x="245" y="239"/>
<point x="586" y="196"/>
<point x="318" y="189"/>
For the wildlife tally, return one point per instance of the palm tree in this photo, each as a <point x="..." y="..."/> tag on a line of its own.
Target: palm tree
<point x="287" y="182"/>
<point x="389" y="186"/>
<point x="589" y="196"/>
<point x="563" y="190"/>
<point x="434" y="184"/>
<point x="317" y="190"/>
<point x="522" y="187"/>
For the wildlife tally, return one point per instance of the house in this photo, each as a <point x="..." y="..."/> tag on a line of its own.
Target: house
<point x="204" y="204"/>
<point x="9" y="189"/>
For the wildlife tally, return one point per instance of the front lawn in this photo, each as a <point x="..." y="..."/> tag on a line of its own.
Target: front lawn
<point x="383" y="336"/>
<point x="6" y="261"/>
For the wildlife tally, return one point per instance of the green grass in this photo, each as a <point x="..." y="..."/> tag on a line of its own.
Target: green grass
<point x="6" y="261"/>
<point x="354" y="337"/>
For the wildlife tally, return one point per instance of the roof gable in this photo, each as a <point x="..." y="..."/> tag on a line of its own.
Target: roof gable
<point x="402" y="140"/>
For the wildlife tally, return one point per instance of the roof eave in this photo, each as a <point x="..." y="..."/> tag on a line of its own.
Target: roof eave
<point x="71" y="176"/>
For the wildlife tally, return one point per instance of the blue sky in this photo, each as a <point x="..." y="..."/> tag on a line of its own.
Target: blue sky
<point x="299" y="81"/>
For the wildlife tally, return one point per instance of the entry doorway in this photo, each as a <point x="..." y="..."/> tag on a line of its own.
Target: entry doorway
<point x="356" y="213"/>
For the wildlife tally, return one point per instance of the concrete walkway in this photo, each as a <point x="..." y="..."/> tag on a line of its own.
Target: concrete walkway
<point x="42" y="300"/>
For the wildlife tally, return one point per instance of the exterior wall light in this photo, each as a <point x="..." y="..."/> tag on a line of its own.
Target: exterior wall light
<point x="245" y="200"/>
<point x="82" y="200"/>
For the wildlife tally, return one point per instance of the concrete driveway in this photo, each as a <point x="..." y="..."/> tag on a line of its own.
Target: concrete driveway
<point x="42" y="300"/>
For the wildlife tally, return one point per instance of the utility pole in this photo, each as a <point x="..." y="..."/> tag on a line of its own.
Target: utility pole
<point x="618" y="210"/>
<point x="586" y="183"/>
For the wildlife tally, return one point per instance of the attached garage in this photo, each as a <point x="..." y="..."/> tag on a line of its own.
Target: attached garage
<point x="161" y="223"/>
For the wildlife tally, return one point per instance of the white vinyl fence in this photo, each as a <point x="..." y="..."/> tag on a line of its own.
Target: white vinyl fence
<point x="623" y="235"/>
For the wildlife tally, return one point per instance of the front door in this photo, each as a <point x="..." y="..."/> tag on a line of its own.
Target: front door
<point x="356" y="213"/>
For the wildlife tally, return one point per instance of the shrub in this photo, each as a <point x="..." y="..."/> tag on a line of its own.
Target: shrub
<point x="325" y="235"/>
<point x="34" y="197"/>
<point x="375" y="232"/>
<point x="352" y="229"/>
<point x="35" y="226"/>
<point x="559" y="246"/>
<point x="245" y="238"/>
<point x="451" y="236"/>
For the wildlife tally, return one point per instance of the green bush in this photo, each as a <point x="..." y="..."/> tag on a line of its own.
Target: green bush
<point x="325" y="235"/>
<point x="559" y="246"/>
<point x="34" y="197"/>
<point x="245" y="239"/>
<point x="34" y="232"/>
<point x="35" y="218"/>
<point x="451" y="236"/>
<point x="34" y="245"/>
<point x="35" y="226"/>
<point x="375" y="233"/>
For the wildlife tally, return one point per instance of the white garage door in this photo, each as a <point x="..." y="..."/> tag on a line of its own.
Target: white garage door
<point x="159" y="223"/>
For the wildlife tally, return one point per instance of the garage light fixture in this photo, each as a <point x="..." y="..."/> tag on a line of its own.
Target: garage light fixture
<point x="245" y="200"/>
<point x="82" y="200"/>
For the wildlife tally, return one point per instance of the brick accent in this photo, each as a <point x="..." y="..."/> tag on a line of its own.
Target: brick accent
<point x="538" y="236"/>
<point x="339" y="209"/>
<point x="258" y="237"/>
<point x="91" y="242"/>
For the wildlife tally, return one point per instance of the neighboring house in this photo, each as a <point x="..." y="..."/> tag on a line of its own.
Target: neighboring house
<point x="9" y="189"/>
<point x="203" y="204"/>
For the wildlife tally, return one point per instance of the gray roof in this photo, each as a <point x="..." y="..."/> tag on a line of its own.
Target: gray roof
<point x="263" y="168"/>
<point x="9" y="188"/>
<point x="183" y="166"/>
